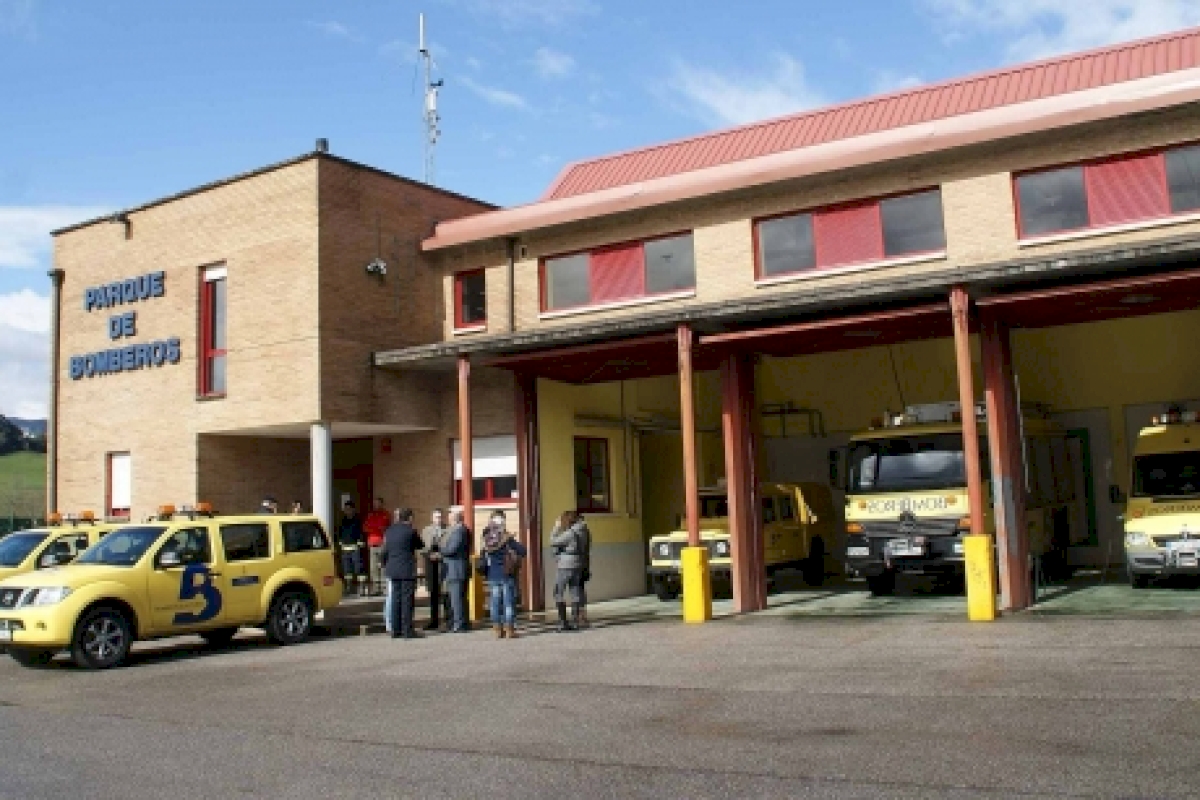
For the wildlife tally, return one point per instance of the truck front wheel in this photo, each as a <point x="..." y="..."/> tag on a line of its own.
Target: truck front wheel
<point x="665" y="590"/>
<point x="882" y="585"/>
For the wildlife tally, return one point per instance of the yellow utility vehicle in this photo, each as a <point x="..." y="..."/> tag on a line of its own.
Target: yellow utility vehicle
<point x="798" y="531"/>
<point x="1162" y="517"/>
<point x="176" y="574"/>
<point x="54" y="545"/>
<point x="906" y="495"/>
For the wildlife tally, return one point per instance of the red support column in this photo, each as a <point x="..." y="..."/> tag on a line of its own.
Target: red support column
<point x="528" y="490"/>
<point x="687" y="415"/>
<point x="960" y="304"/>
<point x="467" y="498"/>
<point x="737" y="423"/>
<point x="1007" y="462"/>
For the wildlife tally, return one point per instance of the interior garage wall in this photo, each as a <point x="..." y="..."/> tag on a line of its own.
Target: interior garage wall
<point x="236" y="472"/>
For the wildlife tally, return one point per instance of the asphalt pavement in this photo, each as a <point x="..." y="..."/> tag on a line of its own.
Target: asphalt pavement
<point x="766" y="706"/>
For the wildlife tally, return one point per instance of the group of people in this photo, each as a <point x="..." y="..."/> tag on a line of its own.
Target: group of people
<point x="394" y="544"/>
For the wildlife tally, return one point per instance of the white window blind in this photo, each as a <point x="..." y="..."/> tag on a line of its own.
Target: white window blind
<point x="491" y="457"/>
<point x="120" y="481"/>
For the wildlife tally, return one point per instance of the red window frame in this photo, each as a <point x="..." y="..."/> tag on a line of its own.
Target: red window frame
<point x="207" y="351"/>
<point x="459" y="279"/>
<point x="591" y="441"/>
<point x="490" y="498"/>
<point x="1088" y="166"/>
<point x="876" y="205"/>
<point x="114" y="513"/>
<point x="543" y="285"/>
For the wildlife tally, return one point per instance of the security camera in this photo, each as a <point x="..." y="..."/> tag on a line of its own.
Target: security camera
<point x="377" y="267"/>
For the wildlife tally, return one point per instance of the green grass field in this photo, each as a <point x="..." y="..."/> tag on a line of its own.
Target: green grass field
<point x="23" y="484"/>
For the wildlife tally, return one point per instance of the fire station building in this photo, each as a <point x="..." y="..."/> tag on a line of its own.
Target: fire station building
<point x="722" y="310"/>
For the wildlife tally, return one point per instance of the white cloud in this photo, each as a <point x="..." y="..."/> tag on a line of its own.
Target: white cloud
<point x="552" y="64"/>
<point x="891" y="81"/>
<point x="520" y="13"/>
<point x="728" y="98"/>
<point x="1039" y="28"/>
<point x="24" y="354"/>
<point x="335" y="29"/>
<point x="497" y="97"/>
<point x="17" y="18"/>
<point x="25" y="232"/>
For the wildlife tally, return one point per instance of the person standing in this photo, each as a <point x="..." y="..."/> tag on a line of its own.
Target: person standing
<point x="501" y="559"/>
<point x="297" y="507"/>
<point x="399" y="558"/>
<point x="455" y="552"/>
<point x="373" y="527"/>
<point x="268" y="506"/>
<point x="585" y="571"/>
<point x="568" y="563"/>
<point x="350" y="537"/>
<point x="433" y="534"/>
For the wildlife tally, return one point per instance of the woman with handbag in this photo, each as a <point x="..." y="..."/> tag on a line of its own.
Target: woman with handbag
<point x="500" y="562"/>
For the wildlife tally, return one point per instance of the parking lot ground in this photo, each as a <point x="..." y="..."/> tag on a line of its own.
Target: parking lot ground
<point x="772" y="705"/>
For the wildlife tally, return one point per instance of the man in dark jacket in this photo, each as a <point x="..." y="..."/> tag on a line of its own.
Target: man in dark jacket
<point x="350" y="538"/>
<point x="400" y="545"/>
<point x="455" y="551"/>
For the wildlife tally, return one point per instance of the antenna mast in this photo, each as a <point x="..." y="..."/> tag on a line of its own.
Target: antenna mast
<point x="431" y="118"/>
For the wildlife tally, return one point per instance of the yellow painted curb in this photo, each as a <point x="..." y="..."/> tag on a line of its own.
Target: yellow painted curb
<point x="697" y="585"/>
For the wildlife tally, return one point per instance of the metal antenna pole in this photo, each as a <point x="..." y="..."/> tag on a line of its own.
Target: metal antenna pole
<point x="430" y="113"/>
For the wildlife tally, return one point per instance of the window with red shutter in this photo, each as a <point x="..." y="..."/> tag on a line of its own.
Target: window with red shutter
<point x="848" y="235"/>
<point x="618" y="273"/>
<point x="657" y="267"/>
<point x="1126" y="190"/>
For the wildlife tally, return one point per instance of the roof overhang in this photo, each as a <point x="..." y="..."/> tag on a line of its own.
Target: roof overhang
<point x="1060" y="111"/>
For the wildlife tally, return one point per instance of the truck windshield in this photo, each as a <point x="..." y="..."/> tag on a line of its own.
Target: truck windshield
<point x="714" y="506"/>
<point x="15" y="548"/>
<point x="1167" y="475"/>
<point x="121" y="548"/>
<point x="903" y="464"/>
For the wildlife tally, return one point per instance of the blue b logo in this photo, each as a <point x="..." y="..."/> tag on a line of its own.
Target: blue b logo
<point x="188" y="590"/>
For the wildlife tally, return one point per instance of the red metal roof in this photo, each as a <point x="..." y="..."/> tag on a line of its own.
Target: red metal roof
<point x="1076" y="72"/>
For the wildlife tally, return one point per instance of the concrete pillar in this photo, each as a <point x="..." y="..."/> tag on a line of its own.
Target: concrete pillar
<point x="697" y="582"/>
<point x="528" y="490"/>
<point x="981" y="588"/>
<point x="1008" y="470"/>
<point x="745" y="528"/>
<point x="56" y="282"/>
<point x="321" y="442"/>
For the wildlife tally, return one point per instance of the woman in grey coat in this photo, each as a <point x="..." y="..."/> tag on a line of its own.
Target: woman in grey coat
<point x="568" y="543"/>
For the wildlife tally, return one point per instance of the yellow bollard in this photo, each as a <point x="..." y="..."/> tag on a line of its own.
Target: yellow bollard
<point x="476" y="594"/>
<point x="697" y="585"/>
<point x="981" y="577"/>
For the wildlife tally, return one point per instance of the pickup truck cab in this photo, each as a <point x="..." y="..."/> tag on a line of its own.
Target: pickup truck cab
<point x="56" y="544"/>
<point x="797" y="528"/>
<point x="172" y="576"/>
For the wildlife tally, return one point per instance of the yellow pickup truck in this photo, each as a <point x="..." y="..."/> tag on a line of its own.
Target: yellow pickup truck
<point x="798" y="529"/>
<point x="53" y="545"/>
<point x="174" y="575"/>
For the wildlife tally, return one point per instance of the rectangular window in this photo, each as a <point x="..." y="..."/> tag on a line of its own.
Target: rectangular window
<point x="619" y="272"/>
<point x="190" y="544"/>
<point x="592" y="490"/>
<point x="120" y="485"/>
<point x="493" y="468"/>
<point x="213" y="304"/>
<point x="854" y="233"/>
<point x="499" y="490"/>
<point x="300" y="537"/>
<point x="470" y="300"/>
<point x="246" y="542"/>
<point x="1115" y="191"/>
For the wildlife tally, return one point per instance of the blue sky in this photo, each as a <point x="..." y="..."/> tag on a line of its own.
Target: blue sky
<point x="109" y="104"/>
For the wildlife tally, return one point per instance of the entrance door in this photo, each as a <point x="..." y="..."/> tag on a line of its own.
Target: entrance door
<point x="353" y="483"/>
<point x="1091" y="453"/>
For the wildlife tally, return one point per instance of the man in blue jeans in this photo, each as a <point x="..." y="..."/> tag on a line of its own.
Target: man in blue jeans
<point x="501" y="552"/>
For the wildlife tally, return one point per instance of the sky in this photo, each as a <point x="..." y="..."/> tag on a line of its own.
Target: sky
<point x="107" y="104"/>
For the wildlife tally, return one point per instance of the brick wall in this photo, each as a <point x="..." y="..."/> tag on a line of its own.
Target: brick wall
<point x="237" y="472"/>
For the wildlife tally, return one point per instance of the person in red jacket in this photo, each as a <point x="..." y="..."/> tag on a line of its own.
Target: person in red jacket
<point x="374" y="526"/>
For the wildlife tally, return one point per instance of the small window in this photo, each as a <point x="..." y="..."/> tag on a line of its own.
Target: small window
<point x="498" y="490"/>
<point x="120" y="485"/>
<point x="1183" y="178"/>
<point x="913" y="224"/>
<point x="786" y="244"/>
<point x="787" y="508"/>
<point x="190" y="544"/>
<point x="213" y="345"/>
<point x="567" y="281"/>
<point x="670" y="264"/>
<point x="768" y="510"/>
<point x="246" y="542"/>
<point x="592" y="490"/>
<point x="1052" y="201"/>
<point x="470" y="299"/>
<point x="301" y="537"/>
